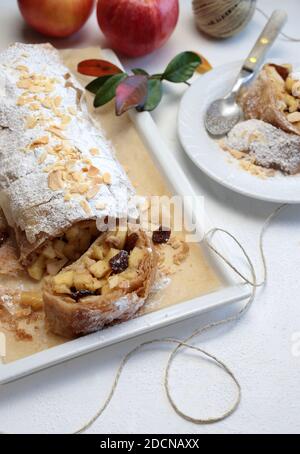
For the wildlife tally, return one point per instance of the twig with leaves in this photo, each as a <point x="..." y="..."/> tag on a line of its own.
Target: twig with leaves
<point x="138" y="90"/>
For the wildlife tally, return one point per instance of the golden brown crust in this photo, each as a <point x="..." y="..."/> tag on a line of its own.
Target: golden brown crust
<point x="69" y="318"/>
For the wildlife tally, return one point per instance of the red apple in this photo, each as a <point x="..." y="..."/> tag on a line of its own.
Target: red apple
<point x="56" y="18"/>
<point x="137" y="27"/>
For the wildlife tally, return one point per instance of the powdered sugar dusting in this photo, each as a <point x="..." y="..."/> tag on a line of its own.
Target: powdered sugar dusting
<point x="269" y="147"/>
<point x="25" y="196"/>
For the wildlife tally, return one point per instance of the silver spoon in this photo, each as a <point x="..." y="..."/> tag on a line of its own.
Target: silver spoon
<point x="225" y="113"/>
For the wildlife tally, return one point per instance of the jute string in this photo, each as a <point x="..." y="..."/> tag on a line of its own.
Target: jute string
<point x="185" y="343"/>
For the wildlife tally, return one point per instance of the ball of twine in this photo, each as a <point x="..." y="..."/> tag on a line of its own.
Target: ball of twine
<point x="223" y="18"/>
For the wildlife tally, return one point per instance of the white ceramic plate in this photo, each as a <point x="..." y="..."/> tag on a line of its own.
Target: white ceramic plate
<point x="231" y="292"/>
<point x="210" y="158"/>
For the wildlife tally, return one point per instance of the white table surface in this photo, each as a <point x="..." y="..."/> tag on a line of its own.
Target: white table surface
<point x="258" y="348"/>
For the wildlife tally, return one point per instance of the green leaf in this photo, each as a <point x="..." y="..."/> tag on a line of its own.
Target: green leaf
<point x="139" y="72"/>
<point x="94" y="86"/>
<point x="182" y="67"/>
<point x="108" y="90"/>
<point x="154" y="95"/>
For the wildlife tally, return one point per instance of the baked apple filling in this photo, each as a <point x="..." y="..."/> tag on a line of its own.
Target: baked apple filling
<point x="113" y="262"/>
<point x="57" y="253"/>
<point x="109" y="283"/>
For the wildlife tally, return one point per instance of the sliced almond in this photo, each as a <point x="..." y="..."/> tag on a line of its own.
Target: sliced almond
<point x="34" y="106"/>
<point x="49" y="87"/>
<point x="65" y="119"/>
<point x="47" y="102"/>
<point x="24" y="75"/>
<point x="77" y="176"/>
<point x="92" y="192"/>
<point x="55" y="181"/>
<point x="22" y="68"/>
<point x="94" y="151"/>
<point x="57" y="112"/>
<point x="57" y="101"/>
<point x="24" y="83"/>
<point x="98" y="179"/>
<point x="54" y="130"/>
<point x="58" y="166"/>
<point x="56" y="126"/>
<point x="100" y="205"/>
<point x="40" y="141"/>
<point x="21" y="101"/>
<point x="82" y="188"/>
<point x="86" y="206"/>
<point x="106" y="178"/>
<point x="58" y="147"/>
<point x="35" y="88"/>
<point x="93" y="171"/>
<point x="31" y="122"/>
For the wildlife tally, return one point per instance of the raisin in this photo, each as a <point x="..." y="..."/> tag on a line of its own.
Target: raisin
<point x="78" y="294"/>
<point x="131" y="241"/>
<point x="161" y="236"/>
<point x="3" y="237"/>
<point x="119" y="262"/>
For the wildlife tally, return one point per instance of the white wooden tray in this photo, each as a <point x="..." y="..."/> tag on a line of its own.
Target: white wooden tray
<point x="233" y="290"/>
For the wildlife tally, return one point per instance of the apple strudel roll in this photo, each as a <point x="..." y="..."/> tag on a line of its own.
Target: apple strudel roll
<point x="58" y="173"/>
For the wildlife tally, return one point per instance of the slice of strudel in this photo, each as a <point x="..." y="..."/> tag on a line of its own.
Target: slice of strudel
<point x="108" y="284"/>
<point x="274" y="97"/>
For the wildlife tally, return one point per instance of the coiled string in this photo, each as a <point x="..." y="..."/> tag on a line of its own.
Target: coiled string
<point x="185" y="343"/>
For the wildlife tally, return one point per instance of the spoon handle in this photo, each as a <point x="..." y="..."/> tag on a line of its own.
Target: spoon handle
<point x="265" y="40"/>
